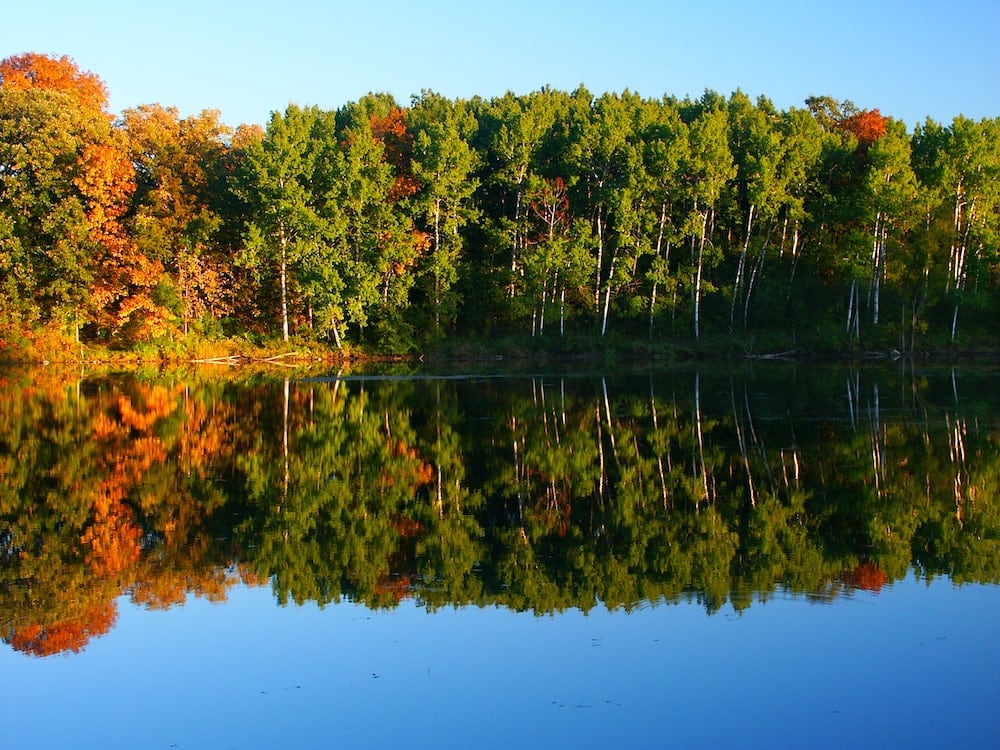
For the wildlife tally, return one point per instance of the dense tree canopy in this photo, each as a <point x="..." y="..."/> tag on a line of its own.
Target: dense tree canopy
<point x="390" y="227"/>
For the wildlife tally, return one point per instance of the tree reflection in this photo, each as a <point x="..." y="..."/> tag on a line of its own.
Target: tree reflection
<point x="537" y="494"/>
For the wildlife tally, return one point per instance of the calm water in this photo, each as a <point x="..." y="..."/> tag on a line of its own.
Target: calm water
<point x="750" y="558"/>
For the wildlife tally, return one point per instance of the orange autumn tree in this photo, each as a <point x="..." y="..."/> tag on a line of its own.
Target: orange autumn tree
<point x="179" y="162"/>
<point x="124" y="277"/>
<point x="32" y="70"/>
<point x="397" y="142"/>
<point x="396" y="138"/>
<point x="92" y="180"/>
<point x="867" y="126"/>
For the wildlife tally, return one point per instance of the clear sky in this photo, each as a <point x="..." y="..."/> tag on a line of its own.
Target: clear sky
<point x="936" y="58"/>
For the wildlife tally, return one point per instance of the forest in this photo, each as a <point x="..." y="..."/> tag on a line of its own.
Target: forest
<point x="551" y="217"/>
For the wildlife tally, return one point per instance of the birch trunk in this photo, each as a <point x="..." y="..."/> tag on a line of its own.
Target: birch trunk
<point x="600" y="260"/>
<point x="698" y="274"/>
<point x="283" y="273"/>
<point x="607" y="293"/>
<point x="740" y="269"/>
<point x="666" y="261"/>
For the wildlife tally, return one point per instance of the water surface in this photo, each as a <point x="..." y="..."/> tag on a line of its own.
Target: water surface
<point x="679" y="558"/>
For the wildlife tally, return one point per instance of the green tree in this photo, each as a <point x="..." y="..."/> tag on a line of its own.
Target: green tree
<point x="375" y="239"/>
<point x="960" y="164"/>
<point x="665" y="145"/>
<point x="277" y="183"/>
<point x="47" y="250"/>
<point x="891" y="192"/>
<point x="709" y="167"/>
<point x="442" y="165"/>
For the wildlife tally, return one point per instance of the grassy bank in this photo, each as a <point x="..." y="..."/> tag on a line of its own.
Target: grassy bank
<point x="45" y="346"/>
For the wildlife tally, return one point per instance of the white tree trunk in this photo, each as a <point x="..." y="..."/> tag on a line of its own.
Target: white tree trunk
<point x="698" y="274"/>
<point x="283" y="272"/>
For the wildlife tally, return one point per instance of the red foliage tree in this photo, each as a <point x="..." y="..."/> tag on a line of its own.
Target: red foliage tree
<point x="867" y="126"/>
<point x="397" y="142"/>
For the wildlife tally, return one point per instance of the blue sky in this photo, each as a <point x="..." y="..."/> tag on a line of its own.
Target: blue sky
<point x="910" y="59"/>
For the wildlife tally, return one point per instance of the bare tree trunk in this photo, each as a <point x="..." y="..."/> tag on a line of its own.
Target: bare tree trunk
<point x="740" y="267"/>
<point x="562" y="310"/>
<point x="336" y="334"/>
<point x="283" y="277"/>
<point x="666" y="262"/>
<point x="607" y="292"/>
<point x="541" y="315"/>
<point x="878" y="264"/>
<point x="652" y="309"/>
<point x="795" y="258"/>
<point x="698" y="274"/>
<point x="854" y="310"/>
<point x="515" y="245"/>
<point x="960" y="263"/>
<point x="754" y="274"/>
<point x="600" y="260"/>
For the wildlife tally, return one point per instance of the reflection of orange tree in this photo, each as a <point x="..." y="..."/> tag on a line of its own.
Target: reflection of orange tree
<point x="70" y="634"/>
<point x="865" y="576"/>
<point x="412" y="470"/>
<point x="397" y="582"/>
<point x="111" y="540"/>
<point x="178" y="503"/>
<point x="128" y="451"/>
<point x="552" y="505"/>
<point x="406" y="473"/>
<point x="127" y="463"/>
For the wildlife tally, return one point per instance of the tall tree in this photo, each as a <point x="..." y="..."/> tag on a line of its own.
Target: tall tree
<point x="961" y="163"/>
<point x="375" y="238"/>
<point x="602" y="160"/>
<point x="518" y="129"/>
<point x="665" y="149"/>
<point x="277" y="184"/>
<point x="47" y="253"/>
<point x="443" y="163"/>
<point x="179" y="165"/>
<point x="123" y="300"/>
<point x="757" y="152"/>
<point x="708" y="169"/>
<point x="891" y="197"/>
<point x="67" y="182"/>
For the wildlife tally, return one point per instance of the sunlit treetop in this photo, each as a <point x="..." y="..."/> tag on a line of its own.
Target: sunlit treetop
<point x="397" y="141"/>
<point x="867" y="126"/>
<point x="32" y="70"/>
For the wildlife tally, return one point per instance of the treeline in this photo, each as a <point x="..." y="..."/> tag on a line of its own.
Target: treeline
<point x="395" y="227"/>
<point x="536" y="494"/>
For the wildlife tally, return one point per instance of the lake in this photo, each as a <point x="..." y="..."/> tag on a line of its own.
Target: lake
<point x="698" y="557"/>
